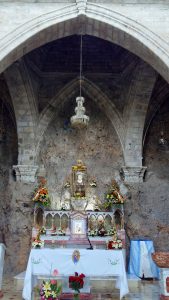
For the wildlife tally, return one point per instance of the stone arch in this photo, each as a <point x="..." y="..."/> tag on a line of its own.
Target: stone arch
<point x="90" y="19"/>
<point x="91" y="90"/>
<point x="25" y="112"/>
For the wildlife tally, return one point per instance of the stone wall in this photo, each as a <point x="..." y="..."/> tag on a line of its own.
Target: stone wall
<point x="147" y="210"/>
<point x="98" y="146"/>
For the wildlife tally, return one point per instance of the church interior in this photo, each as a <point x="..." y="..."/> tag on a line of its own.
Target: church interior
<point x="107" y="181"/>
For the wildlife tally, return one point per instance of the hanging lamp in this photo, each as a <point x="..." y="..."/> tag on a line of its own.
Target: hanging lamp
<point x="80" y="120"/>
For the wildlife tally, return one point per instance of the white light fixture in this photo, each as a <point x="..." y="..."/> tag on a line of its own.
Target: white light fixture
<point x="80" y="120"/>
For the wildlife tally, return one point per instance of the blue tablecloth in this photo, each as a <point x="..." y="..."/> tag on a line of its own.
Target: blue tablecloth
<point x="140" y="262"/>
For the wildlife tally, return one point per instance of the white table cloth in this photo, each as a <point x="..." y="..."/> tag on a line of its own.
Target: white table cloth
<point x="2" y="254"/>
<point x="91" y="263"/>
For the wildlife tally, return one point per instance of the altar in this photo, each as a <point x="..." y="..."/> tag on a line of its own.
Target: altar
<point x="92" y="263"/>
<point x="84" y="234"/>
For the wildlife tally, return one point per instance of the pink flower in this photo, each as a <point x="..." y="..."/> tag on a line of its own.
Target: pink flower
<point x="53" y="281"/>
<point x="55" y="272"/>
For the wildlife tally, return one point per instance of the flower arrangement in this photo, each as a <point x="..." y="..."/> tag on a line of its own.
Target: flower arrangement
<point x="92" y="232"/>
<point x="76" y="283"/>
<point x="114" y="244"/>
<point x="49" y="290"/>
<point x="42" y="230"/>
<point x="37" y="242"/>
<point x="111" y="231"/>
<point x="60" y="231"/>
<point x="41" y="194"/>
<point x="113" y="196"/>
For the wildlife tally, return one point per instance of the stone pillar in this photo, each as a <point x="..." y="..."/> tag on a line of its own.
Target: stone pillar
<point x="25" y="173"/>
<point x="133" y="174"/>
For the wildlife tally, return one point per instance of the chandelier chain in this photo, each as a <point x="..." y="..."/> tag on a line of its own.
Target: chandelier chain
<point x="81" y="53"/>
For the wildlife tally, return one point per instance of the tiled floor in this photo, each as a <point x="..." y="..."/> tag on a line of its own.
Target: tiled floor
<point x="147" y="291"/>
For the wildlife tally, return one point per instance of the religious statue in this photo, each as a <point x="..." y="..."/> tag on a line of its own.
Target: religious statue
<point x="79" y="179"/>
<point x="65" y="197"/>
<point x="79" y="192"/>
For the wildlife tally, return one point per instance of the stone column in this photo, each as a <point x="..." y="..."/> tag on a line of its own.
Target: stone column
<point x="133" y="174"/>
<point x="25" y="173"/>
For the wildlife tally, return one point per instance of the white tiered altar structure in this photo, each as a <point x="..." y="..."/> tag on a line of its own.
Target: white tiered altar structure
<point x="82" y="219"/>
<point x="83" y="223"/>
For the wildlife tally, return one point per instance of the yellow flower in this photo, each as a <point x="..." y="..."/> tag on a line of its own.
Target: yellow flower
<point x="47" y="286"/>
<point x="47" y="293"/>
<point x="53" y="294"/>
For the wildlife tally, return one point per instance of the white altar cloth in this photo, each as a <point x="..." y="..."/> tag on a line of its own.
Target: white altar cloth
<point x="91" y="263"/>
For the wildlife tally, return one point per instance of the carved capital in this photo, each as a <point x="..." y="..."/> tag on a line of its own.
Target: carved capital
<point x="81" y="6"/>
<point x="25" y="173"/>
<point x="133" y="174"/>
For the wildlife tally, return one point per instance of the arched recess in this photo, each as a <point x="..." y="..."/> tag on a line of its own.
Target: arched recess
<point x="72" y="90"/>
<point x="93" y="20"/>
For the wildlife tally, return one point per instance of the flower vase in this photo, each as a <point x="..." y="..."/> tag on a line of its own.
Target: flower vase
<point x="76" y="296"/>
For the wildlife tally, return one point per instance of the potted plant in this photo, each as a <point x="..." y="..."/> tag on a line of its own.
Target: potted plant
<point x="76" y="283"/>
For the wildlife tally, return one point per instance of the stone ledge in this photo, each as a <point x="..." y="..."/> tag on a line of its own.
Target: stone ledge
<point x="133" y="174"/>
<point x="25" y="173"/>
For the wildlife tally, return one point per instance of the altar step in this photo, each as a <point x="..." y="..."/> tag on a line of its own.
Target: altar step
<point x="98" y="284"/>
<point x="19" y="281"/>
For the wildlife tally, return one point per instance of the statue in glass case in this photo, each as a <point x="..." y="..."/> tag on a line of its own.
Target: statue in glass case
<point x="79" y="180"/>
<point x="79" y="190"/>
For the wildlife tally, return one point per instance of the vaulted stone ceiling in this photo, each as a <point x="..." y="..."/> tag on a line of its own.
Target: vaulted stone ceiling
<point x="105" y="64"/>
<point x="119" y="82"/>
<point x="108" y="66"/>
